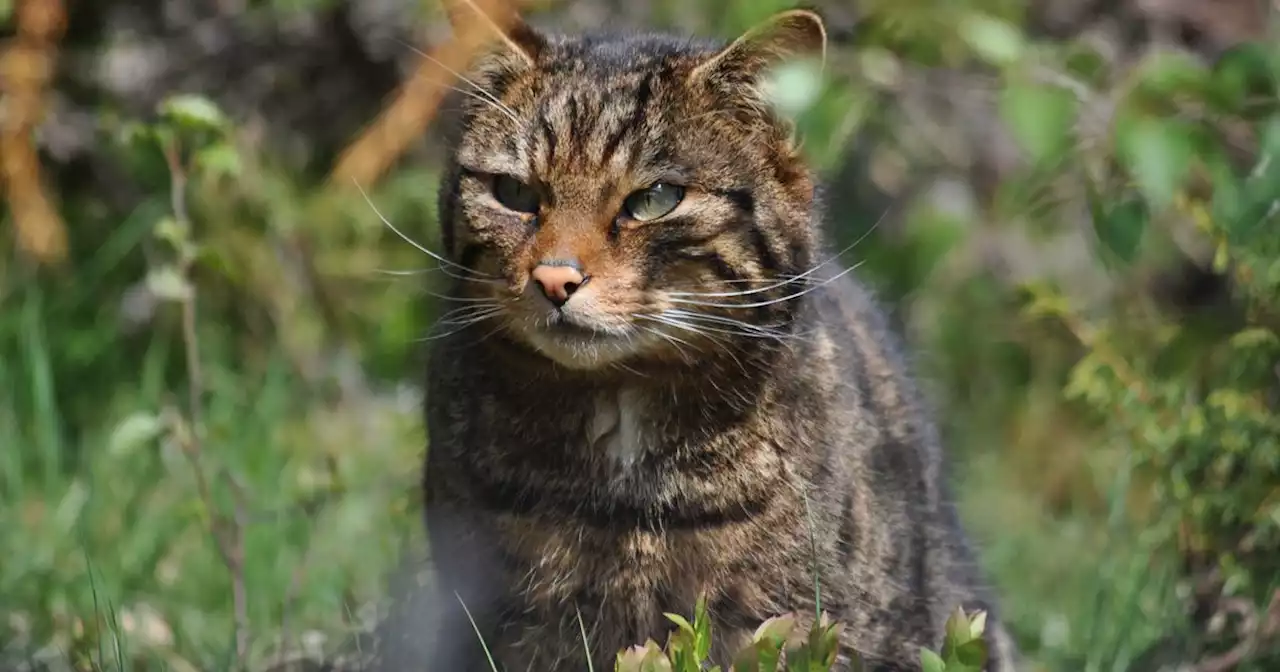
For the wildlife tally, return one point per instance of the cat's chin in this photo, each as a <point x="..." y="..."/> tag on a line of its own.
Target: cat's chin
<point x="584" y="350"/>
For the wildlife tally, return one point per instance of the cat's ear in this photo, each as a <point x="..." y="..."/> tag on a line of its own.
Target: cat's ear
<point x="497" y="18"/>
<point x="791" y="34"/>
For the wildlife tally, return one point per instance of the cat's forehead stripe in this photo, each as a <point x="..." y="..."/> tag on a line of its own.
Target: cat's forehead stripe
<point x="584" y="125"/>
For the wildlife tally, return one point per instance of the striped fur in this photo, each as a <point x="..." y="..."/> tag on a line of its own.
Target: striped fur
<point x="593" y="460"/>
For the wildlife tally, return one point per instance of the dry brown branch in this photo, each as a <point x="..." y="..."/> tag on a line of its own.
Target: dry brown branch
<point x="415" y="103"/>
<point x="26" y="68"/>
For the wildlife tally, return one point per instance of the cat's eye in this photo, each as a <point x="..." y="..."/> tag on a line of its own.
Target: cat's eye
<point x="515" y="195"/>
<point x="654" y="202"/>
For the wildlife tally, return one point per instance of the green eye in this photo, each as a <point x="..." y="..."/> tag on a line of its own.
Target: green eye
<point x="654" y="202"/>
<point x="514" y="194"/>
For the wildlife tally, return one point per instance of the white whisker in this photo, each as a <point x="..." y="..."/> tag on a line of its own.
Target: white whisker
<point x="469" y="321"/>
<point x="761" y="304"/>
<point x="764" y="330"/>
<point x="407" y="239"/>
<point x="464" y="312"/>
<point x="462" y="299"/>
<point x="706" y="330"/>
<point x="791" y="279"/>
<point x="487" y="96"/>
<point x="440" y="269"/>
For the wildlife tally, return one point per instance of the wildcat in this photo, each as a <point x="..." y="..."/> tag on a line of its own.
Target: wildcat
<point x="656" y="384"/>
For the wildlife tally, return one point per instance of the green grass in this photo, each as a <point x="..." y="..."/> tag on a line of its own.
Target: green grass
<point x="108" y="541"/>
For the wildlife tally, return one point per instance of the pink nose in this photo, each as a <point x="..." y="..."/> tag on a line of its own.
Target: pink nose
<point x="558" y="281"/>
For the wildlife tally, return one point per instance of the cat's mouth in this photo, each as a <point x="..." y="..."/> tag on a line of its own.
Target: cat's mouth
<point x="565" y="325"/>
<point x="576" y="342"/>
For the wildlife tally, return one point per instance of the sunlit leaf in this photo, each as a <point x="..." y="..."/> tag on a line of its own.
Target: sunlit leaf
<point x="998" y="42"/>
<point x="1040" y="116"/>
<point x="135" y="430"/>
<point x="793" y="87"/>
<point x="1242" y="78"/>
<point x="932" y="662"/>
<point x="194" y="112"/>
<point x="1171" y="73"/>
<point x="1158" y="153"/>
<point x="166" y="283"/>
<point x="219" y="159"/>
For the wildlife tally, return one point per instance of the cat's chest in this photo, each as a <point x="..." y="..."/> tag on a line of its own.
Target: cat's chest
<point x="602" y="432"/>
<point x="616" y="428"/>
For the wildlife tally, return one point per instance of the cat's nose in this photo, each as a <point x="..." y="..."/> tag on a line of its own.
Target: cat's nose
<point x="558" y="280"/>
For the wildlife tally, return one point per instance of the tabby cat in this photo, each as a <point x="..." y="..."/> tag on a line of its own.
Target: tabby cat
<point x="656" y="385"/>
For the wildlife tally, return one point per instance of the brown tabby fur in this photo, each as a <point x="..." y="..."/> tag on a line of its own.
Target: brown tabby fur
<point x="592" y="460"/>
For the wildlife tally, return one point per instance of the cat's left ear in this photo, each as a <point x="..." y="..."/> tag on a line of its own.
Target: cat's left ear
<point x="497" y="18"/>
<point x="783" y="36"/>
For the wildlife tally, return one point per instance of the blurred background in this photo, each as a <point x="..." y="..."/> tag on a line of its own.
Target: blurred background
<point x="210" y="346"/>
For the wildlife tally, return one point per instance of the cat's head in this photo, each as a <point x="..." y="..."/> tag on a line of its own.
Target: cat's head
<point x="630" y="197"/>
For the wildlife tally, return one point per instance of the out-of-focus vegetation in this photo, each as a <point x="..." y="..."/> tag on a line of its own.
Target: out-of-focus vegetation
<point x="209" y="433"/>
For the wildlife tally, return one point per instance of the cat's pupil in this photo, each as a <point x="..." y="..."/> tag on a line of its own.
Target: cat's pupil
<point x="654" y="202"/>
<point x="514" y="194"/>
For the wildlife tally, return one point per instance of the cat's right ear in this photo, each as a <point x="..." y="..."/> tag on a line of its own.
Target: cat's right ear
<point x="785" y="35"/>
<point x="497" y="18"/>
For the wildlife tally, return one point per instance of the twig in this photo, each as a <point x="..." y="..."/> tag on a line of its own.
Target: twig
<point x="415" y="103"/>
<point x="26" y="68"/>
<point x="228" y="535"/>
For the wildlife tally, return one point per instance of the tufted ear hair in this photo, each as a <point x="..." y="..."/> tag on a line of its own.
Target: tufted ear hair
<point x="785" y="35"/>
<point x="497" y="18"/>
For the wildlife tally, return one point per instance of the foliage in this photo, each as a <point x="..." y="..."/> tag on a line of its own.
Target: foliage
<point x="780" y="641"/>
<point x="1190" y="400"/>
<point x="234" y="480"/>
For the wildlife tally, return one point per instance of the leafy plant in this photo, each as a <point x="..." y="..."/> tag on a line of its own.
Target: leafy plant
<point x="780" y="641"/>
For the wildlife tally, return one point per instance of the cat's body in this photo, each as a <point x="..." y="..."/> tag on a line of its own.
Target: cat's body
<point x="684" y="407"/>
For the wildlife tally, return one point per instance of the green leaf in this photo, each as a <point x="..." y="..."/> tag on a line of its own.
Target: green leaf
<point x="880" y="66"/>
<point x="1255" y="337"/>
<point x="647" y="658"/>
<point x="629" y="660"/>
<point x="702" y="628"/>
<point x="972" y="654"/>
<point x="1083" y="61"/>
<point x="977" y="624"/>
<point x="1241" y="77"/>
<point x="799" y="658"/>
<point x="166" y="283"/>
<point x="656" y="661"/>
<point x="1247" y="209"/>
<point x="776" y="629"/>
<point x="997" y="42"/>
<point x="1158" y="154"/>
<point x="1120" y="227"/>
<point x="194" y="112"/>
<point x="219" y="159"/>
<point x="134" y="431"/>
<point x="752" y="657"/>
<point x="958" y="631"/>
<point x="932" y="662"/>
<point x="827" y="644"/>
<point x="793" y="87"/>
<point x="684" y="624"/>
<point x="171" y="231"/>
<point x="1168" y="74"/>
<point x="1040" y="117"/>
